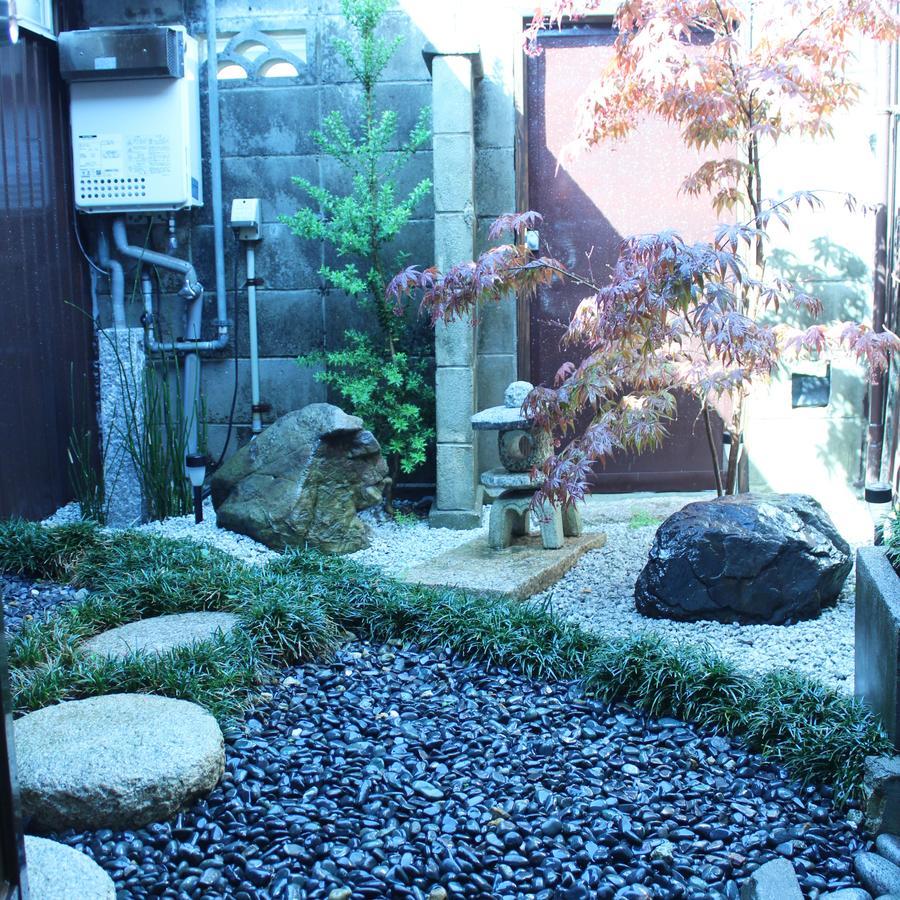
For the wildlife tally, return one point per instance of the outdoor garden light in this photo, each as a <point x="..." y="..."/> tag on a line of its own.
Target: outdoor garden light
<point x="878" y="499"/>
<point x="195" y="463"/>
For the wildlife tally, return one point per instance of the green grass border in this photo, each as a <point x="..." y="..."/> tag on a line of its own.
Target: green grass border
<point x="301" y="606"/>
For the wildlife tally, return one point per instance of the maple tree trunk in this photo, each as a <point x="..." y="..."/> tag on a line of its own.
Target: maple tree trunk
<point x="713" y="450"/>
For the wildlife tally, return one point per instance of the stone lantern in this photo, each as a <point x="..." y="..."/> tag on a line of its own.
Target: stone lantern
<point x="523" y="449"/>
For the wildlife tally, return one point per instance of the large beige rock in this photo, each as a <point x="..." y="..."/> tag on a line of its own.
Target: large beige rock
<point x="58" y="872"/>
<point x="303" y="481"/>
<point x="118" y="761"/>
<point x="160" y="634"/>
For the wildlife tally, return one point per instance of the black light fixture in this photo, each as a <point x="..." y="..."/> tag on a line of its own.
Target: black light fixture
<point x="195" y="464"/>
<point x="878" y="500"/>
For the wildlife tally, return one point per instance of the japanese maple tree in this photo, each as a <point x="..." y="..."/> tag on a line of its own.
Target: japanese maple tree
<point x="675" y="316"/>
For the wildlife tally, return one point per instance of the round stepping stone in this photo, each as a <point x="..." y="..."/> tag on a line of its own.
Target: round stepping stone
<point x="58" y="872"/>
<point x="118" y="761"/>
<point x="878" y="875"/>
<point x="160" y="634"/>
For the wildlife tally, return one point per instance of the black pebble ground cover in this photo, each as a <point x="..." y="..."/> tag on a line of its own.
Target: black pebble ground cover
<point x="402" y="772"/>
<point x="303" y="608"/>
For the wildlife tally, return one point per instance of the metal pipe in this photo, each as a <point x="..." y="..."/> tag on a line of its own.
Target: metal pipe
<point x="191" y="399"/>
<point x="254" y="341"/>
<point x="215" y="167"/>
<point x="883" y="254"/>
<point x="877" y="382"/>
<point x="192" y="287"/>
<point x="191" y="291"/>
<point x="191" y="370"/>
<point x="116" y="279"/>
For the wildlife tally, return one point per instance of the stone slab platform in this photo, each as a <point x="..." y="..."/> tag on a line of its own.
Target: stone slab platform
<point x="515" y="573"/>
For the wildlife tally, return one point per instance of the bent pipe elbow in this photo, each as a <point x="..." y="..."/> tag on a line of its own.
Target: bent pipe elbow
<point x="192" y="287"/>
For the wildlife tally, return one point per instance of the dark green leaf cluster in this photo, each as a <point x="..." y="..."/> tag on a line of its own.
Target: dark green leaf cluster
<point x="393" y="397"/>
<point x="300" y="606"/>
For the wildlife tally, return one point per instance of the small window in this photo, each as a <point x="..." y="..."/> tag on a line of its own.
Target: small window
<point x="811" y="390"/>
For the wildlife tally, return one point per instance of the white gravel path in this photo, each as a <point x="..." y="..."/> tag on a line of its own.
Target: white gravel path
<point x="598" y="592"/>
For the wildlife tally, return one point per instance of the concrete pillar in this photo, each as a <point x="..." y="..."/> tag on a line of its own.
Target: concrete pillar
<point x="459" y="495"/>
<point x="122" y="365"/>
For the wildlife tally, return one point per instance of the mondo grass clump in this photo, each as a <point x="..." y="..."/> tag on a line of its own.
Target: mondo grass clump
<point x="301" y="606"/>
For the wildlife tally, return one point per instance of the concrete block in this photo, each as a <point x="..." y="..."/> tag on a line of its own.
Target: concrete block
<point x="287" y="262"/>
<point x="495" y="113"/>
<point x="456" y="519"/>
<point x="454" y="161"/>
<point x="454" y="239"/>
<point x="216" y="435"/>
<point x="269" y="178"/>
<point x="102" y="13"/>
<point x="289" y="323"/>
<point x="497" y="326"/>
<point x="283" y="383"/>
<point x="881" y="787"/>
<point x="407" y="63"/>
<point x="495" y="182"/>
<point x="405" y="98"/>
<point x="454" y="343"/>
<point x="452" y="104"/>
<point x="457" y="487"/>
<point x="455" y="398"/>
<point x="414" y="245"/>
<point x="339" y="179"/>
<point x="877" y="671"/>
<point x="269" y="120"/>
<point x="241" y="8"/>
<point x="342" y="314"/>
<point x="495" y="372"/>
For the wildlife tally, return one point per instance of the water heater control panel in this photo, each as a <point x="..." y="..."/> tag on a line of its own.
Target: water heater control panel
<point x="135" y="136"/>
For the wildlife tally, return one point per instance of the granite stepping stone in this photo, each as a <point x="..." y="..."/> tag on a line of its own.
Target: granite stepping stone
<point x="118" y="761"/>
<point x="878" y="875"/>
<point x="58" y="872"/>
<point x="888" y="846"/>
<point x="160" y="634"/>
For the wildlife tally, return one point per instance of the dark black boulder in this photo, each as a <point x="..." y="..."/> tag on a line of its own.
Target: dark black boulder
<point x="752" y="558"/>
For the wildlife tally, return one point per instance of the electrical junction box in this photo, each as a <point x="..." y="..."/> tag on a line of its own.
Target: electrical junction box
<point x="246" y="218"/>
<point x="135" y="124"/>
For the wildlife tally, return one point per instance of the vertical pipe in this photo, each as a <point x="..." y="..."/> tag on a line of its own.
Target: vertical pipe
<point x="215" y="164"/>
<point x="883" y="254"/>
<point x="116" y="278"/>
<point x="254" y="343"/>
<point x="877" y="382"/>
<point x="191" y="398"/>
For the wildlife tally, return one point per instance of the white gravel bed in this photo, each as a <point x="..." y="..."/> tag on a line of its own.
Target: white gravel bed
<point x="598" y="593"/>
<point x="395" y="546"/>
<point x="207" y="533"/>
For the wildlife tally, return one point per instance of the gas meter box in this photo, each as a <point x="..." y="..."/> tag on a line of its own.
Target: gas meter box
<point x="135" y="115"/>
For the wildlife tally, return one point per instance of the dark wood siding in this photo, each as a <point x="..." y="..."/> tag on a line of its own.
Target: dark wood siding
<point x="46" y="335"/>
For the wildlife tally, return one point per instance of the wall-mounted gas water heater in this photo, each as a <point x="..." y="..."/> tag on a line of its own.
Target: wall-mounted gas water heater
<point x="135" y="115"/>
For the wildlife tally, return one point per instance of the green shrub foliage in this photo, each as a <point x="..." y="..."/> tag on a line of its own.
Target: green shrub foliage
<point x="380" y="377"/>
